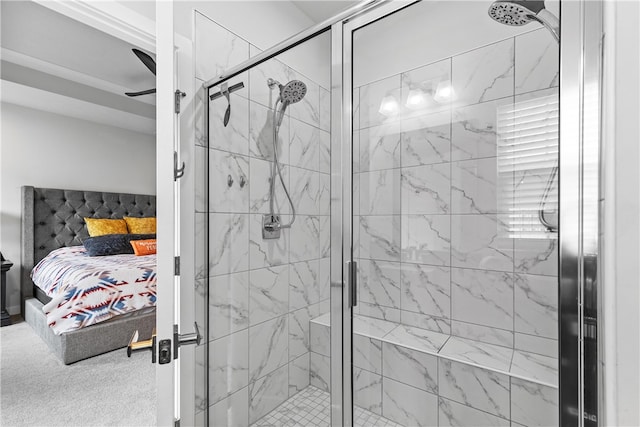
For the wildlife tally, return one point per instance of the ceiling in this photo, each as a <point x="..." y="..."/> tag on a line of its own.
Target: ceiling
<point x="319" y="11"/>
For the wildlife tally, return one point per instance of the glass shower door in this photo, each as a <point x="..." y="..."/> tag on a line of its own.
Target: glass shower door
<point x="455" y="139"/>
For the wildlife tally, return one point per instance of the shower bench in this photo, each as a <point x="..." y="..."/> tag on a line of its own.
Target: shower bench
<point x="418" y="377"/>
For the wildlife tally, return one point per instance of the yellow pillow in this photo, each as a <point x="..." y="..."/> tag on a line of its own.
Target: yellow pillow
<point x="100" y="227"/>
<point x="141" y="225"/>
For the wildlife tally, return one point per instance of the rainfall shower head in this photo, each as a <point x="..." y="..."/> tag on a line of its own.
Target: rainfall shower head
<point x="521" y="12"/>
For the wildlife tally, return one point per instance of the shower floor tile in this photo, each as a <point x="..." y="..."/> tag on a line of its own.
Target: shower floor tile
<point x="310" y="408"/>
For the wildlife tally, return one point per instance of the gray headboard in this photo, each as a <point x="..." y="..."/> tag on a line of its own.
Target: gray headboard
<point x="54" y="218"/>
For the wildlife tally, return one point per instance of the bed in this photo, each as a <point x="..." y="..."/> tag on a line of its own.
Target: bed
<point x="53" y="219"/>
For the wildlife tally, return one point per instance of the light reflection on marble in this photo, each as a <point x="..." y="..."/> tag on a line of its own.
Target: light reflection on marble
<point x="536" y="305"/>
<point x="486" y="334"/>
<point x="482" y="297"/>
<point x="371" y="95"/>
<point x="367" y="390"/>
<point x="222" y="197"/>
<point x="453" y="414"/>
<point x="379" y="147"/>
<point x="484" y="74"/>
<point x="228" y="304"/>
<point x="426" y="189"/>
<point x="536" y="367"/>
<point x="533" y="405"/>
<point x="536" y="61"/>
<point x="426" y="239"/>
<point x="232" y="411"/>
<point x="367" y="354"/>
<point x="228" y="365"/>
<point x="491" y="356"/>
<point x="268" y="293"/>
<point x="416" y="338"/>
<point x="378" y="192"/>
<point x="426" y="140"/>
<point x="414" y="368"/>
<point x="304" y="147"/>
<point x="426" y="289"/>
<point x="304" y="286"/>
<point x="480" y="241"/>
<point x="427" y="80"/>
<point x="479" y="388"/>
<point x="305" y="190"/>
<point x="269" y="347"/>
<point x="265" y="253"/>
<point x="407" y="405"/>
<point x="356" y="111"/>
<point x="475" y="186"/>
<point x="380" y="237"/>
<point x="268" y="392"/>
<point x="228" y="237"/>
<point x="379" y="283"/>
<point x="261" y="134"/>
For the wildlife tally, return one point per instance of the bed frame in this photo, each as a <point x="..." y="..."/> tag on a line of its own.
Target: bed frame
<point x="52" y="219"/>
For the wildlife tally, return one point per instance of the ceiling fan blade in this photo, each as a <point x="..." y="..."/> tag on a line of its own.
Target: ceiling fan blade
<point x="146" y="60"/>
<point x="142" y="92"/>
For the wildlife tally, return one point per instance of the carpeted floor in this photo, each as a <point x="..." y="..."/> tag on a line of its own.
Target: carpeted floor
<point x="37" y="389"/>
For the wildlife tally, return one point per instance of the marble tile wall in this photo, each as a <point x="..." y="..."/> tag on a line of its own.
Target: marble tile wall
<point x="262" y="293"/>
<point x="429" y="232"/>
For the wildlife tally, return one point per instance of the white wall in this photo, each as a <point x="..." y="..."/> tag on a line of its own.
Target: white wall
<point x="622" y="214"/>
<point x="48" y="150"/>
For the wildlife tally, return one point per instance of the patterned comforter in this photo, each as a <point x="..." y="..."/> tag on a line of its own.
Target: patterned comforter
<point x="88" y="290"/>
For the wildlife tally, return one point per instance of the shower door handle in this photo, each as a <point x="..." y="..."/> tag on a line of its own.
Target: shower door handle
<point x="352" y="282"/>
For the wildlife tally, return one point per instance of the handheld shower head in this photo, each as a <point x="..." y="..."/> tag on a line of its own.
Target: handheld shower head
<point x="521" y="12"/>
<point x="293" y="92"/>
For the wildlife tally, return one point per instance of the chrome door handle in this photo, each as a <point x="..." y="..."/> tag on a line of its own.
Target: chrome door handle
<point x="352" y="282"/>
<point x="185" y="339"/>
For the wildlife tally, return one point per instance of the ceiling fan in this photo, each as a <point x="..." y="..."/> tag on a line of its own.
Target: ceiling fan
<point x="150" y="64"/>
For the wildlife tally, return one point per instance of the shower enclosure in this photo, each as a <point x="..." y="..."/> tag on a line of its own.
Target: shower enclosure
<point x="381" y="236"/>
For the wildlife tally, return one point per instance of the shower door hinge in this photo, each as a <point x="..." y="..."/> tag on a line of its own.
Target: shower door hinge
<point x="176" y="266"/>
<point x="178" y="95"/>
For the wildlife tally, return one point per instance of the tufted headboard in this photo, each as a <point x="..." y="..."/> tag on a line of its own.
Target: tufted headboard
<point x="53" y="218"/>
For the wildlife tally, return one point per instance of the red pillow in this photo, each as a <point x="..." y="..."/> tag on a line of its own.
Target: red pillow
<point x="144" y="247"/>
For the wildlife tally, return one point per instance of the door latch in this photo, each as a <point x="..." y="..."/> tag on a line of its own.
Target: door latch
<point x="177" y="96"/>
<point x="185" y="339"/>
<point x="352" y="278"/>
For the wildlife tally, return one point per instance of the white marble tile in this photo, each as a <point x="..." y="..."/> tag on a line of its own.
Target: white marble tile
<point x="320" y="339"/>
<point x="201" y="239"/>
<point x="480" y="241"/>
<point x="453" y="414"/>
<point x="483" y="74"/>
<point x="536" y="305"/>
<point x="530" y="187"/>
<point x="379" y="147"/>
<point x="226" y="167"/>
<point x="426" y="239"/>
<point x="367" y="353"/>
<point x="232" y="411"/>
<point x="323" y="319"/>
<point x="370" y="327"/>
<point x="482" y="297"/>
<point x="537" y="61"/>
<point x="475" y="387"/>
<point x="235" y="136"/>
<point x="379" y="282"/>
<point x="325" y="109"/>
<point x="371" y="96"/>
<point x="305" y="238"/>
<point x="377" y="311"/>
<point x="411" y="367"/>
<point x="533" y="404"/>
<point x="426" y="139"/>
<point x="304" y="146"/>
<point x="367" y="390"/>
<point x="356" y="108"/>
<point x="534" y="344"/>
<point x="536" y="256"/>
<point x="305" y="190"/>
<point x="258" y="76"/>
<point x="474" y="130"/>
<point x="325" y="152"/>
<point x="260" y="178"/>
<point x="425" y="321"/>
<point x="228" y="243"/>
<point x="379" y="193"/>
<point x="308" y="109"/>
<point x="228" y="365"/>
<point x="217" y="49"/>
<point x="320" y="371"/>
<point x="535" y="367"/>
<point x="228" y="304"/>
<point x="268" y="393"/>
<point x="304" y="288"/>
<point x="198" y="114"/>
<point x="324" y="278"/>
<point x="418" y="339"/>
<point x="200" y="306"/>
<point x="379" y="237"/>
<point x="268" y="293"/>
<point x="299" y="374"/>
<point x="486" y="334"/>
<point x="407" y="405"/>
<point x="200" y="389"/>
<point x="200" y="187"/>
<point x="476" y="188"/>
<point x="269" y="252"/>
<point x="268" y="347"/>
<point x="324" y="197"/>
<point x="426" y="289"/>
<point x="425" y="85"/>
<point x="491" y="356"/>
<point x="299" y="330"/>
<point x="426" y="189"/>
<point x="261" y="134"/>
